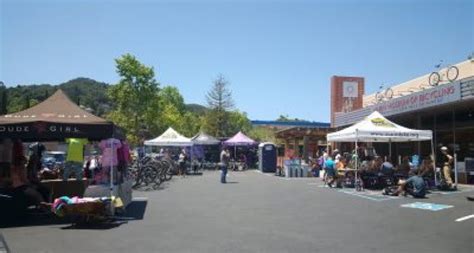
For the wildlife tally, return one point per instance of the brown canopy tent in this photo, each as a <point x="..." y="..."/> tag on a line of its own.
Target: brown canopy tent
<point x="55" y="119"/>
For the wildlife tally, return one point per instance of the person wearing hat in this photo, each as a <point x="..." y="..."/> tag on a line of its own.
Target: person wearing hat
<point x="446" y="160"/>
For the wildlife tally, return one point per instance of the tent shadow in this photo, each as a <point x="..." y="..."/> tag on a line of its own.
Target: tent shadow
<point x="134" y="211"/>
<point x="95" y="226"/>
<point x="32" y="220"/>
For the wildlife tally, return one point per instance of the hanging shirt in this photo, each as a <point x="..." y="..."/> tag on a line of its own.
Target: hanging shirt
<point x="75" y="150"/>
<point x="124" y="153"/>
<point x="109" y="149"/>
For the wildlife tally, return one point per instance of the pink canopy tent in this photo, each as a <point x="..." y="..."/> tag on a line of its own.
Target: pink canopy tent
<point x="239" y="139"/>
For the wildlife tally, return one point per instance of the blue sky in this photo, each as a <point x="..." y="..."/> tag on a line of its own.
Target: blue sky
<point x="278" y="55"/>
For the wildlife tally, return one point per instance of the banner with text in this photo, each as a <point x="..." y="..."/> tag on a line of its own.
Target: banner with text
<point x="443" y="94"/>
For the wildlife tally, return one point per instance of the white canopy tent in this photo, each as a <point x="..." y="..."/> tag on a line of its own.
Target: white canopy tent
<point x="170" y="138"/>
<point x="377" y="128"/>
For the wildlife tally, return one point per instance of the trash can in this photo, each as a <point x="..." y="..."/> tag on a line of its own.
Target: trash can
<point x="267" y="157"/>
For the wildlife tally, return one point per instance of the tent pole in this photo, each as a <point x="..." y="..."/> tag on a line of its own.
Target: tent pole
<point x="433" y="156"/>
<point x="390" y="149"/>
<point x="455" y="170"/>
<point x="356" y="160"/>
<point x="112" y="180"/>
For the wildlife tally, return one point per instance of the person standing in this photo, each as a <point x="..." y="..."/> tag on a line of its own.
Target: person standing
<point x="330" y="171"/>
<point x="224" y="163"/>
<point x="74" y="158"/>
<point x="182" y="163"/>
<point x="446" y="161"/>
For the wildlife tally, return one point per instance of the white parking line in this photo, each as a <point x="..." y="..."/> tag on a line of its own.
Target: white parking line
<point x="465" y="218"/>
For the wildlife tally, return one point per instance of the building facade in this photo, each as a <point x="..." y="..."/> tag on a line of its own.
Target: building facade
<point x="447" y="109"/>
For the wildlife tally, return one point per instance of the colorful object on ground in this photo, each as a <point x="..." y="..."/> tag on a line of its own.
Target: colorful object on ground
<point x="427" y="206"/>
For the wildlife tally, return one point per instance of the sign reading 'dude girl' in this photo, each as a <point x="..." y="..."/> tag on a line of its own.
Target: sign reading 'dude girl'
<point x="443" y="94"/>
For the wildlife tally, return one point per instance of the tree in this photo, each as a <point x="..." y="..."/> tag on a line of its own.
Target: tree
<point x="220" y="97"/>
<point x="286" y="118"/>
<point x="26" y="101"/>
<point x="237" y="121"/>
<point x="171" y="95"/>
<point x="135" y="97"/>
<point x="262" y="134"/>
<point x="3" y="99"/>
<point x="219" y="100"/>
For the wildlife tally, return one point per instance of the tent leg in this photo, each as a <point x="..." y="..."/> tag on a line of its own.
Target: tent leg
<point x="455" y="170"/>
<point x="356" y="179"/>
<point x="390" y="149"/>
<point x="112" y="181"/>
<point x="433" y="156"/>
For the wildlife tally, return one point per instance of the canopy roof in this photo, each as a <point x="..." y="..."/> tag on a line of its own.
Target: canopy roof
<point x="204" y="139"/>
<point x="376" y="128"/>
<point x="170" y="138"/>
<point x="55" y="118"/>
<point x="240" y="139"/>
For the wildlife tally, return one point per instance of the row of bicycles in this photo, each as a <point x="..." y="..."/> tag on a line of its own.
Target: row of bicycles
<point x="149" y="172"/>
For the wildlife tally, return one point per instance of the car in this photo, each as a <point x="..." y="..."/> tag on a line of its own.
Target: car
<point x="53" y="159"/>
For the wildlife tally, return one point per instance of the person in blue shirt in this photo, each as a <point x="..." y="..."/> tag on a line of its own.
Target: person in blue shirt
<point x="387" y="168"/>
<point x="414" y="185"/>
<point x="329" y="167"/>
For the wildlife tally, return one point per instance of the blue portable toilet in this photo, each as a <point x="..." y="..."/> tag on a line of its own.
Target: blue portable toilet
<point x="267" y="157"/>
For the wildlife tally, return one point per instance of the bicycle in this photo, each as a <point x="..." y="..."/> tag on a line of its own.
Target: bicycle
<point x="146" y="171"/>
<point x="451" y="73"/>
<point x="383" y="95"/>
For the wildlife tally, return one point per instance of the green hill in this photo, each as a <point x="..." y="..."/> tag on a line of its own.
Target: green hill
<point x="84" y="91"/>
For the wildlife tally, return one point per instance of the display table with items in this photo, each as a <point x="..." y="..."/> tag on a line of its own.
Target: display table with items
<point x="123" y="191"/>
<point x="58" y="187"/>
<point x="86" y="210"/>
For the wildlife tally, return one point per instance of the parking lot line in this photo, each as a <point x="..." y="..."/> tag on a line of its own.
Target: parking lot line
<point x="3" y="245"/>
<point x="465" y="218"/>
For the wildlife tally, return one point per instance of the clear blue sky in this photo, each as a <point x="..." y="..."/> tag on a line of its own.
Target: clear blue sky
<point x="278" y="55"/>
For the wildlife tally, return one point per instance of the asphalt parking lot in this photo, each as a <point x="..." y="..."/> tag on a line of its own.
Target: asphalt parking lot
<point x="255" y="212"/>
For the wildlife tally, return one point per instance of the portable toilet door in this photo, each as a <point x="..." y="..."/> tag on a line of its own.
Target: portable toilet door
<point x="267" y="157"/>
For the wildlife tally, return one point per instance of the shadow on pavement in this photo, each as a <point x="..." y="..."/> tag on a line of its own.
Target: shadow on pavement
<point x="134" y="211"/>
<point x="32" y="219"/>
<point x="95" y="226"/>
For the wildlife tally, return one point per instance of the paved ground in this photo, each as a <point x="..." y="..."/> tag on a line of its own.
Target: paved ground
<point x="262" y="213"/>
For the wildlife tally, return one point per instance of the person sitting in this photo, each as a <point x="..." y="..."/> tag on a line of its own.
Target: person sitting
<point x="369" y="176"/>
<point x="414" y="185"/>
<point x="387" y="174"/>
<point x="23" y="192"/>
<point x="341" y="171"/>
<point x="387" y="168"/>
<point x="426" y="169"/>
<point x="404" y="168"/>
